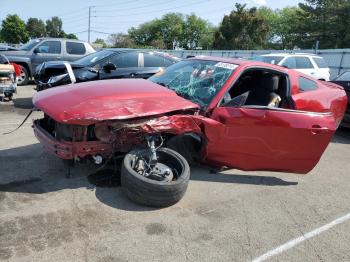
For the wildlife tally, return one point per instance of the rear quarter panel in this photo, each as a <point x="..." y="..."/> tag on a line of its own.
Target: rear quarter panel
<point x="327" y="97"/>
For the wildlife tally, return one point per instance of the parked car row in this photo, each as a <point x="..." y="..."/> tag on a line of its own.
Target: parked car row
<point x="109" y="63"/>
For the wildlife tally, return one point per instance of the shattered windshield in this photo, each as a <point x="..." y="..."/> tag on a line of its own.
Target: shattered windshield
<point x="196" y="80"/>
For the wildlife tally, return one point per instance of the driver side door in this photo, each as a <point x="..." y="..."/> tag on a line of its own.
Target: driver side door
<point x="251" y="137"/>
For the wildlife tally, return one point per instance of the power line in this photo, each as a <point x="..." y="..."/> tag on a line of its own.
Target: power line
<point x="118" y="4"/>
<point x="135" y="8"/>
<point x="161" y="10"/>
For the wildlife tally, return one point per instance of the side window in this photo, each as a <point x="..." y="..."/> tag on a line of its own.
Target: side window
<point x="307" y="84"/>
<point x="74" y="48"/>
<point x="50" y="47"/>
<point x="303" y="63"/>
<point x="151" y="60"/>
<point x="290" y="63"/>
<point x="123" y="60"/>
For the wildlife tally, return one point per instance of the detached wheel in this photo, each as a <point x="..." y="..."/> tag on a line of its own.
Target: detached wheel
<point x="163" y="185"/>
<point x="23" y="78"/>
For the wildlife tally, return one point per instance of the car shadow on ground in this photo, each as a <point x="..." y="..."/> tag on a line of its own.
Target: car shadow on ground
<point x="29" y="169"/>
<point x="342" y="136"/>
<point x="23" y="103"/>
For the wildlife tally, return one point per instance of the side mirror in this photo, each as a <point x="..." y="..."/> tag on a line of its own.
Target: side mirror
<point x="109" y="67"/>
<point x="36" y="50"/>
<point x="285" y="66"/>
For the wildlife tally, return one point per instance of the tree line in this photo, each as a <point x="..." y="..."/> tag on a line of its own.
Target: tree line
<point x="15" y="31"/>
<point x="302" y="26"/>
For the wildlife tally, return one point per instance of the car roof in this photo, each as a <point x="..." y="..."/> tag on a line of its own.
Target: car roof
<point x="245" y="63"/>
<point x="159" y="53"/>
<point x="292" y="54"/>
<point x="237" y="61"/>
<point x="54" y="38"/>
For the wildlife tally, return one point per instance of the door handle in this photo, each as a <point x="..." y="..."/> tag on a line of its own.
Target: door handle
<point x="316" y="129"/>
<point x="58" y="57"/>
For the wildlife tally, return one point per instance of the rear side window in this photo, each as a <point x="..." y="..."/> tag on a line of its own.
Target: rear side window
<point x="307" y="84"/>
<point x="303" y="63"/>
<point x="50" y="47"/>
<point x="74" y="48"/>
<point x="320" y="62"/>
<point x="290" y="63"/>
<point x="151" y="60"/>
<point x="123" y="60"/>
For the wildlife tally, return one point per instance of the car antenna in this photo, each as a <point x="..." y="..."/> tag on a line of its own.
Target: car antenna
<point x="25" y="119"/>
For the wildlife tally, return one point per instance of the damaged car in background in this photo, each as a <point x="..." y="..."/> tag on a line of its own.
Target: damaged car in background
<point x="109" y="63"/>
<point x="344" y="80"/>
<point x="236" y="113"/>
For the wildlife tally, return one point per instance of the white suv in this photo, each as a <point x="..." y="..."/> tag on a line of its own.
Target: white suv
<point x="309" y="64"/>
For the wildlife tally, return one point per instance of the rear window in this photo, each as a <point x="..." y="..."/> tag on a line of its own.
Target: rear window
<point x="320" y="62"/>
<point x="74" y="48"/>
<point x="307" y="84"/>
<point x="303" y="62"/>
<point x="152" y="60"/>
<point x="269" y="59"/>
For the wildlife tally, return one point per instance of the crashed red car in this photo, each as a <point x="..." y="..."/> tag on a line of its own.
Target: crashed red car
<point x="220" y="111"/>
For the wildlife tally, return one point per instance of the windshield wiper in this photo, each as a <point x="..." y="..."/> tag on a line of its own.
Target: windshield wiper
<point x="163" y="84"/>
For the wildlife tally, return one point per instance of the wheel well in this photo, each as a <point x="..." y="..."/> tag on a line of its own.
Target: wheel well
<point x="197" y="140"/>
<point x="25" y="65"/>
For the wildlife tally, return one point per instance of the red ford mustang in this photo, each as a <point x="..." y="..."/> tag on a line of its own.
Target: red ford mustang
<point x="226" y="112"/>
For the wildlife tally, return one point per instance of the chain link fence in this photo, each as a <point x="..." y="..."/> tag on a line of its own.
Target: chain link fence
<point x="338" y="60"/>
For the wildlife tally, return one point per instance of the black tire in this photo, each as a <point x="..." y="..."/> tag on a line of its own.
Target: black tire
<point x="24" y="77"/>
<point x="151" y="192"/>
<point x="184" y="145"/>
<point x="8" y="96"/>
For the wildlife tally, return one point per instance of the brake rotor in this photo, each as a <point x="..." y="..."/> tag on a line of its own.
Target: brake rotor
<point x="161" y="172"/>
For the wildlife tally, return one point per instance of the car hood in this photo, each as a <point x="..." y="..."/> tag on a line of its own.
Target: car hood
<point x="14" y="53"/>
<point x="90" y="102"/>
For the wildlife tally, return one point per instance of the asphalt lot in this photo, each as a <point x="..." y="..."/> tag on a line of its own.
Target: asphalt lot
<point x="224" y="216"/>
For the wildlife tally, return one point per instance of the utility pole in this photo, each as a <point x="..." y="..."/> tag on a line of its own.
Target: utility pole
<point x="89" y="26"/>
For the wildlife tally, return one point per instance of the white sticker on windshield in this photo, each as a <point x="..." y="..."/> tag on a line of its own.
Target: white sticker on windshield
<point x="226" y="65"/>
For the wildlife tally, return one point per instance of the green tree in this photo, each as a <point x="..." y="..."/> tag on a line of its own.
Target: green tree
<point x="35" y="27"/>
<point x="242" y="29"/>
<point x="120" y="40"/>
<point x="173" y="30"/>
<point x="13" y="30"/>
<point x="326" y="21"/>
<point x="196" y="32"/>
<point x="54" y="27"/>
<point x="100" y="41"/>
<point x="70" y="36"/>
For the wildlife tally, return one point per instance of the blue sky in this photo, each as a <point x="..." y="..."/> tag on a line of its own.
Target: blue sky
<point x="112" y="16"/>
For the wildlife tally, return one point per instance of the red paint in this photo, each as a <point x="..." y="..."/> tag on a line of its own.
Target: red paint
<point x="90" y="102"/>
<point x="247" y="138"/>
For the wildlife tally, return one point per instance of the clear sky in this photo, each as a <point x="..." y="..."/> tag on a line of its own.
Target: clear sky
<point x="113" y="16"/>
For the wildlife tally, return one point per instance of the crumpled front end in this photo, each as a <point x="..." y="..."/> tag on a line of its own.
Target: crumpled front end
<point x="75" y="142"/>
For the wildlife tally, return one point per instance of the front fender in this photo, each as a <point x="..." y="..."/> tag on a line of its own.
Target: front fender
<point x="21" y="61"/>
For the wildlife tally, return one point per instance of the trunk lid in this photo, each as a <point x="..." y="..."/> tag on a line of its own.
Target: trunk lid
<point x="90" y="102"/>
